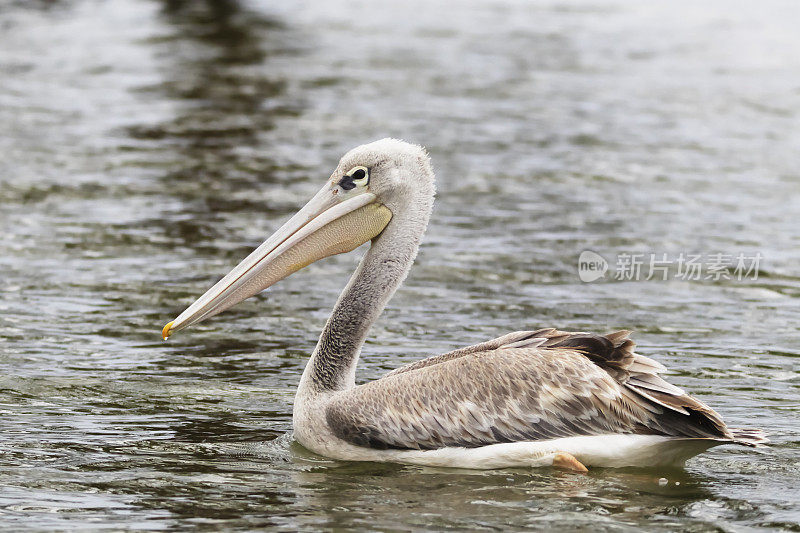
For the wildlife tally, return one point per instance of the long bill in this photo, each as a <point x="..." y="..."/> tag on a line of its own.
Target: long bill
<point x="325" y="226"/>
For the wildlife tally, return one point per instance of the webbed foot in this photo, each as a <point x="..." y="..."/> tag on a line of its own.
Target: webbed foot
<point x="567" y="461"/>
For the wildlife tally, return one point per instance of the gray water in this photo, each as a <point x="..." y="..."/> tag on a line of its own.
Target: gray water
<point x="146" y="147"/>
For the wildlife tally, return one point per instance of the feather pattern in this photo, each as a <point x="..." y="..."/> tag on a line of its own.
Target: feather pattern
<point x="524" y="386"/>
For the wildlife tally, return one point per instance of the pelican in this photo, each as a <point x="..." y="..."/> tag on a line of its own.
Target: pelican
<point x="526" y="399"/>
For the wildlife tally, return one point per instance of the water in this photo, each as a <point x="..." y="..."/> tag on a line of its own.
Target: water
<point x="148" y="146"/>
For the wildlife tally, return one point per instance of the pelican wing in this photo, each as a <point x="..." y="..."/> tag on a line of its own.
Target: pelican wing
<point x="516" y="339"/>
<point x="524" y="386"/>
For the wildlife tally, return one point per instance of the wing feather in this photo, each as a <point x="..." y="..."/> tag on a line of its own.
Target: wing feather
<point x="500" y="342"/>
<point x="527" y="385"/>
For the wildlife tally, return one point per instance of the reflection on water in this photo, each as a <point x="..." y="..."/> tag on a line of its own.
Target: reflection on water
<point x="211" y="60"/>
<point x="147" y="147"/>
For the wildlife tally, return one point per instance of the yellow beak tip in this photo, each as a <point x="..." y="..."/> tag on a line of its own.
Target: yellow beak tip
<point x="166" y="331"/>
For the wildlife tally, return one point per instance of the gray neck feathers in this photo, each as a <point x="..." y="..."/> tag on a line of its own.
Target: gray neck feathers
<point x="382" y="270"/>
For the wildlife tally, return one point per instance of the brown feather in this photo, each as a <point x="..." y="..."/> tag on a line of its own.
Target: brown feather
<point x="527" y="385"/>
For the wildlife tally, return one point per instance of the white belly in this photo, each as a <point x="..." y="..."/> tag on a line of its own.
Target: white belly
<point x="601" y="450"/>
<point x="613" y="450"/>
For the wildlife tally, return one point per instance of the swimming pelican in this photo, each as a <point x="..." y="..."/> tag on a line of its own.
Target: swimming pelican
<point x="528" y="398"/>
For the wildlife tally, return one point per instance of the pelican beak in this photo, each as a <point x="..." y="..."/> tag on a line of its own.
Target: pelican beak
<point x="327" y="225"/>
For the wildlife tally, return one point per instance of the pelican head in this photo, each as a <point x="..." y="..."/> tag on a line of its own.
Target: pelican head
<point x="373" y="185"/>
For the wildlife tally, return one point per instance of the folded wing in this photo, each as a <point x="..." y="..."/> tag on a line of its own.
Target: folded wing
<point x="529" y="385"/>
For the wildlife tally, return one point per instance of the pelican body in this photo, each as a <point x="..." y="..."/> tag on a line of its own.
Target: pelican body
<point x="529" y="398"/>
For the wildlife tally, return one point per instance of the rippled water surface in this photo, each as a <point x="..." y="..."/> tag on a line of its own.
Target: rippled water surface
<point x="146" y="147"/>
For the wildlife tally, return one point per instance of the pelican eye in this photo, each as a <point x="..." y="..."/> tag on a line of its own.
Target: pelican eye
<point x="357" y="177"/>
